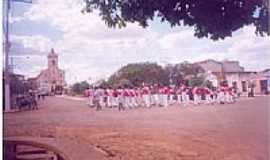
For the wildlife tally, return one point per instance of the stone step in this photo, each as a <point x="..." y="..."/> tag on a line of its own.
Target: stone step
<point x="64" y="148"/>
<point x="40" y="156"/>
<point x="21" y="149"/>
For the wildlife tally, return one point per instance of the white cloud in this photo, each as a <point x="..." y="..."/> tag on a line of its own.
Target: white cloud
<point x="16" y="19"/>
<point x="87" y="47"/>
<point x="38" y="42"/>
<point x="251" y="50"/>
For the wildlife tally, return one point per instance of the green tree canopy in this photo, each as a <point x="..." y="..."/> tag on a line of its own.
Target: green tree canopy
<point x="197" y="81"/>
<point x="133" y="75"/>
<point x="181" y="72"/>
<point x="191" y="69"/>
<point x="215" y="19"/>
<point x="80" y="87"/>
<point x="175" y="72"/>
<point x="137" y="73"/>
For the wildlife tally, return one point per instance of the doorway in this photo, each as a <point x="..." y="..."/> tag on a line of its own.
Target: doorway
<point x="263" y="86"/>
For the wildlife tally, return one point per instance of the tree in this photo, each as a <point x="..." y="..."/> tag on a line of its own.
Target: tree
<point x="196" y="81"/>
<point x="215" y="19"/>
<point x="103" y="83"/>
<point x="135" y="74"/>
<point x="18" y="85"/>
<point x="80" y="87"/>
<point x="123" y="83"/>
<point x="179" y="73"/>
<point x="176" y="75"/>
<point x="191" y="70"/>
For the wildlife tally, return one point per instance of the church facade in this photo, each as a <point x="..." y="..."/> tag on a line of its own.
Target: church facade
<point x="52" y="78"/>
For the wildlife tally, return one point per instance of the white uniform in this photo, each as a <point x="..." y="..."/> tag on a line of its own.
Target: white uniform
<point x="126" y="98"/>
<point x="179" y="97"/>
<point x="229" y="95"/>
<point x="120" y="98"/>
<point x="221" y="96"/>
<point x="165" y="94"/>
<point x="208" y="96"/>
<point x="114" y="98"/>
<point x="133" y="98"/>
<point x="184" y="96"/>
<point x="138" y="97"/>
<point x="196" y="96"/>
<point x="171" y="96"/>
<point x="146" y="96"/>
<point x="160" y="97"/>
<point x="109" y="97"/>
<point x="90" y="97"/>
<point x="102" y="98"/>
<point x="156" y="97"/>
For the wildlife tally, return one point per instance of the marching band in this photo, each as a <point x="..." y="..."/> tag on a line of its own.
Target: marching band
<point x="161" y="96"/>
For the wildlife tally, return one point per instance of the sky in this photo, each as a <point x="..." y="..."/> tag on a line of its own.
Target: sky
<point x="89" y="50"/>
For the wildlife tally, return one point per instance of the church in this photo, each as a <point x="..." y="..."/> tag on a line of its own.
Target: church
<point x="52" y="78"/>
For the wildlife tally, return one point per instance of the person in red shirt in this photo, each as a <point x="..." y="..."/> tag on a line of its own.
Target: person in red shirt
<point x="178" y="93"/>
<point x="184" y="95"/>
<point x="138" y="96"/>
<point x="171" y="96"/>
<point x="120" y="99"/>
<point x="165" y="93"/>
<point x="221" y="95"/>
<point x="114" y="97"/>
<point x="196" y="95"/>
<point x="155" y="95"/>
<point x="126" y="98"/>
<point x="133" y="97"/>
<point x="208" y="98"/>
<point x="160" y="96"/>
<point x="146" y="96"/>
<point x="229" y="95"/>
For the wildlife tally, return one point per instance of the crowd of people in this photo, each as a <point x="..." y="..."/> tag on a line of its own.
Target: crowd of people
<point x="149" y="96"/>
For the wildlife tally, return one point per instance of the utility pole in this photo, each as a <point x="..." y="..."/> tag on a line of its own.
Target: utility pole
<point x="6" y="4"/>
<point x="6" y="51"/>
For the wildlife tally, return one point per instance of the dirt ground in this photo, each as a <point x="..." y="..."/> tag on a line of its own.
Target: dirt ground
<point x="237" y="131"/>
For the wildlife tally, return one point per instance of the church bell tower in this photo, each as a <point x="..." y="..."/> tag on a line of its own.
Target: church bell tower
<point x="52" y="59"/>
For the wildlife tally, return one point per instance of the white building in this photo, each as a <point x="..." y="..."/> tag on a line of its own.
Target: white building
<point x="235" y="75"/>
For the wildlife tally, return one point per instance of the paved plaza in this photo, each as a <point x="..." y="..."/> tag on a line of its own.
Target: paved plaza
<point x="237" y="131"/>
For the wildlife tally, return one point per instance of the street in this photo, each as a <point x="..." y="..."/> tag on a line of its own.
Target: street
<point x="237" y="131"/>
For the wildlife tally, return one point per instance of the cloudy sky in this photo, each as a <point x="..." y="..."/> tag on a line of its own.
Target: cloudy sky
<point x="87" y="48"/>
